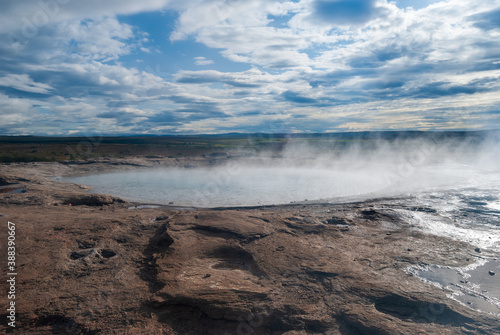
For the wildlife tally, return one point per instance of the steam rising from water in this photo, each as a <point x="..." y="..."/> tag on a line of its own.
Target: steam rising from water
<point x="317" y="170"/>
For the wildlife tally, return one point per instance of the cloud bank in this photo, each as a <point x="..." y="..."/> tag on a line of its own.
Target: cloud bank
<point x="214" y="66"/>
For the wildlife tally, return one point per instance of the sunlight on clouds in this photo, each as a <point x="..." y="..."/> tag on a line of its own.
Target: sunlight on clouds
<point x="309" y="65"/>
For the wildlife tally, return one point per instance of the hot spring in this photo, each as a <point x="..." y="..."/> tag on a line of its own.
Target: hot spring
<point x="304" y="172"/>
<point x="230" y="186"/>
<point x="447" y="191"/>
<point x="242" y="184"/>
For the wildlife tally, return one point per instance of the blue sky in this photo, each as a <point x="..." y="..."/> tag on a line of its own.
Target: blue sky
<point x="115" y="67"/>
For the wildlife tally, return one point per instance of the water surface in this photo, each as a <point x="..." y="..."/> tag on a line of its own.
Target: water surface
<point x="249" y="186"/>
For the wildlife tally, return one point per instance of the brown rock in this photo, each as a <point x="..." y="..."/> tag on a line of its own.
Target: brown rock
<point x="92" y="200"/>
<point x="269" y="270"/>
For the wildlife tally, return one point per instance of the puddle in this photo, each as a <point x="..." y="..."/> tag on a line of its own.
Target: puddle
<point x="476" y="286"/>
<point x="18" y="191"/>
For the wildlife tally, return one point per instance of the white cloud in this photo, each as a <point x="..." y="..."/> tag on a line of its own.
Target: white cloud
<point x="241" y="29"/>
<point x="202" y="61"/>
<point x="103" y="38"/>
<point x="28" y="16"/>
<point x="204" y="14"/>
<point x="24" y="83"/>
<point x="13" y="108"/>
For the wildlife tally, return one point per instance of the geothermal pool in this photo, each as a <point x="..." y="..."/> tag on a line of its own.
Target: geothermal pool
<point x="252" y="185"/>
<point x="224" y="186"/>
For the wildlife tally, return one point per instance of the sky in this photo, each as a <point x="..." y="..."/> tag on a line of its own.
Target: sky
<point x="120" y="67"/>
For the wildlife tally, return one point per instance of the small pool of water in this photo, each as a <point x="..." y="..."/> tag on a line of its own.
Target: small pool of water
<point x="475" y="286"/>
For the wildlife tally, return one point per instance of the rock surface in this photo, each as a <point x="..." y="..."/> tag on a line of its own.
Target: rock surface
<point x="101" y="267"/>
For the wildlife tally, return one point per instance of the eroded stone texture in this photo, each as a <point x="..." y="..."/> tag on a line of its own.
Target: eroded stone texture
<point x="301" y="269"/>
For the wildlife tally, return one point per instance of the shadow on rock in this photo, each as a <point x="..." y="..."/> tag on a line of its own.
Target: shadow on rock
<point x="158" y="245"/>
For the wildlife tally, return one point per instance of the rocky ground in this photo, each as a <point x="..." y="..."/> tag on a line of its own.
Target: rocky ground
<point x="94" y="264"/>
